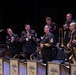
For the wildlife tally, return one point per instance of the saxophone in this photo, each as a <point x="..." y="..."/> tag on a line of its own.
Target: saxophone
<point x="69" y="49"/>
<point x="73" y="56"/>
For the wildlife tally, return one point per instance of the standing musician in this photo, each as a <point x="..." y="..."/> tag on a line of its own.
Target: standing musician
<point x="72" y="42"/>
<point x="28" y="37"/>
<point x="12" y="43"/>
<point x="53" y="27"/>
<point x="69" y="20"/>
<point x="46" y="44"/>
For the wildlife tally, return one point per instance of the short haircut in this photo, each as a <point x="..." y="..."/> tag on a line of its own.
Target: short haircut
<point x="8" y="29"/>
<point x="26" y="24"/>
<point x="49" y="18"/>
<point x="73" y="23"/>
<point x="47" y="26"/>
<point x="70" y="14"/>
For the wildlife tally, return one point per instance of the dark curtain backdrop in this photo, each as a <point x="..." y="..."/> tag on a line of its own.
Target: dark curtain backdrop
<point x="15" y="14"/>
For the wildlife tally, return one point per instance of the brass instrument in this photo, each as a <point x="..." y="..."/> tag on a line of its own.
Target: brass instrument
<point x="38" y="50"/>
<point x="73" y="56"/>
<point x="31" y="56"/>
<point x="69" y="49"/>
<point x="61" y="38"/>
<point x="15" y="56"/>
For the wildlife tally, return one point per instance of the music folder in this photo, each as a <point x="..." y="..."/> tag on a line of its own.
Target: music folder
<point x="14" y="67"/>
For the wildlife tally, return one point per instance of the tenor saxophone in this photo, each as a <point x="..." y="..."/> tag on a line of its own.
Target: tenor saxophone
<point x="73" y="56"/>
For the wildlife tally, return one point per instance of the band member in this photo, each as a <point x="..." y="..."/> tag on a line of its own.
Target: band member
<point x="66" y="28"/>
<point x="72" y="42"/>
<point x="28" y="37"/>
<point x="12" y="42"/>
<point x="46" y="44"/>
<point x="53" y="27"/>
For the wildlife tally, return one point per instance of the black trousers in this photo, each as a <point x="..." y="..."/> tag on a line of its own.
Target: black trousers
<point x="26" y="55"/>
<point x="12" y="52"/>
<point x="46" y="58"/>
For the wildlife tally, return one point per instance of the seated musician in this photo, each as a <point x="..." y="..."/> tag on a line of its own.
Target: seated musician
<point x="46" y="44"/>
<point x="72" y="42"/>
<point x="12" y="43"/>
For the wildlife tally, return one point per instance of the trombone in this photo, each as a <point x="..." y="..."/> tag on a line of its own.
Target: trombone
<point x="61" y="38"/>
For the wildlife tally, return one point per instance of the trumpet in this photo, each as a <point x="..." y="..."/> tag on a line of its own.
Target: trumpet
<point x="61" y="38"/>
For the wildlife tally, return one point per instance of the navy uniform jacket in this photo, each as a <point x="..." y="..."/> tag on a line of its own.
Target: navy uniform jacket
<point x="53" y="28"/>
<point x="67" y="32"/>
<point x="47" y="38"/>
<point x="13" y="46"/>
<point x="68" y="23"/>
<point x="29" y="45"/>
<point x="72" y="38"/>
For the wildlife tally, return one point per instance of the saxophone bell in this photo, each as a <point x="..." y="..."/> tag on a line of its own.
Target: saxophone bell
<point x="73" y="56"/>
